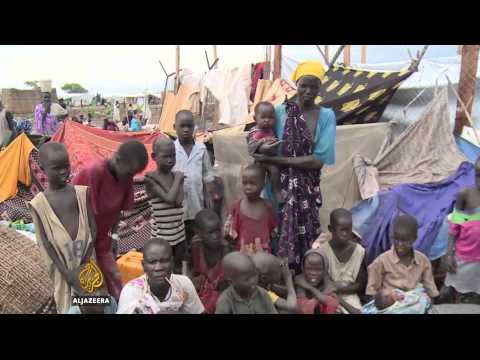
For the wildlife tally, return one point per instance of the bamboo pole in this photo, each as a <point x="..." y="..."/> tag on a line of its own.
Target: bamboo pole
<point x="337" y="54"/>
<point x="268" y="62"/>
<point x="347" y="58"/>
<point x="277" y="62"/>
<point x="327" y="54"/>
<point x="363" y="59"/>
<point x="323" y="54"/>
<point x="466" y="86"/>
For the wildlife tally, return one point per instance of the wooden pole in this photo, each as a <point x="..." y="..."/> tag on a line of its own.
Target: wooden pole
<point x="268" y="62"/>
<point x="459" y="49"/>
<point x="277" y="62"/>
<point x="327" y="54"/>
<point x="347" y="55"/>
<point x="177" y="68"/>
<point x="466" y="86"/>
<point x="215" y="55"/>
<point x="363" y="59"/>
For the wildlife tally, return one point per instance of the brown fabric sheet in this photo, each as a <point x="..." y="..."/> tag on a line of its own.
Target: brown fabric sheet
<point x="425" y="152"/>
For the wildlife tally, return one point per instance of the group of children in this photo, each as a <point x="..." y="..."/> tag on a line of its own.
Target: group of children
<point x="195" y="264"/>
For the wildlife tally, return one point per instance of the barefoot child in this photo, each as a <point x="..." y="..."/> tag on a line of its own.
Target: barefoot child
<point x="110" y="183"/>
<point x="402" y="267"/>
<point x="262" y="140"/>
<point x="345" y="258"/>
<point x="165" y="189"/>
<point x="65" y="225"/>
<point x="207" y="255"/>
<point x="252" y="224"/>
<point x="464" y="241"/>
<point x="270" y="270"/>
<point x="315" y="290"/>
<point x="193" y="160"/>
<point x="243" y="296"/>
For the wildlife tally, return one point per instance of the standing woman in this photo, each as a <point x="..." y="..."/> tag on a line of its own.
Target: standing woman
<point x="46" y="121"/>
<point x="308" y="132"/>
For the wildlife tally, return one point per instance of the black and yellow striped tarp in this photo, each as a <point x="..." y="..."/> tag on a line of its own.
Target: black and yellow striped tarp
<point x="359" y="96"/>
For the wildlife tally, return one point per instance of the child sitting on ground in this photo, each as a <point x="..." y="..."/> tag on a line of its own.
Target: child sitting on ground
<point x="243" y="296"/>
<point x="65" y="225"/>
<point x="208" y="250"/>
<point x="262" y="140"/>
<point x="270" y="270"/>
<point x="110" y="183"/>
<point x="165" y="189"/>
<point x="345" y="258"/>
<point x="315" y="290"/>
<point x="464" y="245"/>
<point x="396" y="301"/>
<point x="251" y="224"/>
<point x="402" y="267"/>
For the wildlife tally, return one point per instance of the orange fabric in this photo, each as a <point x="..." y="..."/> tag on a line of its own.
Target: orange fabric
<point x="173" y="104"/>
<point x="130" y="266"/>
<point x="14" y="166"/>
<point x="85" y="144"/>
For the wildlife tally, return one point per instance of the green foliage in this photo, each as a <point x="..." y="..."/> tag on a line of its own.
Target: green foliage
<point x="32" y="84"/>
<point x="74" y="88"/>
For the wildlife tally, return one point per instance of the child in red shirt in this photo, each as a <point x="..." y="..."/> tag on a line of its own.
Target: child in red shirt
<point x="208" y="250"/>
<point x="110" y="183"/>
<point x="252" y="223"/>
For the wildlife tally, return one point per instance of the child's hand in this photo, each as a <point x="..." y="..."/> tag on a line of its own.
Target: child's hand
<point x="300" y="281"/>
<point x="229" y="233"/>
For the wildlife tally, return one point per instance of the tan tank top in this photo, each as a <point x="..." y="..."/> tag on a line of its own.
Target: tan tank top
<point x="70" y="251"/>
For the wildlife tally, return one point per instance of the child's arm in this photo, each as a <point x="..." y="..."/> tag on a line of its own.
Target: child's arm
<point x="154" y="189"/>
<point x="358" y="286"/>
<point x="375" y="277"/>
<point x="93" y="228"/>
<point x="290" y="304"/>
<point x="309" y="162"/>
<point x="452" y="238"/>
<point x="348" y="307"/>
<point x="428" y="282"/>
<point x="67" y="275"/>
<point x="301" y="282"/>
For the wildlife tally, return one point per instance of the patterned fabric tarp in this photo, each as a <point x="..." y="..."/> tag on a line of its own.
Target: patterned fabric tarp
<point x="85" y="144"/>
<point x="359" y="96"/>
<point x="424" y="153"/>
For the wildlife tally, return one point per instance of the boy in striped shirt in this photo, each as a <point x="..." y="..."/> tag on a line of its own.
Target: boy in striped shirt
<point x="165" y="190"/>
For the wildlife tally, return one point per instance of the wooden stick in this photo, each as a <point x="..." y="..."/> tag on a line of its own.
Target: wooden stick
<point x="467" y="114"/>
<point x="347" y="55"/>
<point x="268" y="62"/>
<point x="363" y="59"/>
<point x="327" y="54"/>
<point x="337" y="54"/>
<point x="323" y="54"/>
<point x="177" y="68"/>
<point x="215" y="57"/>
<point x="277" y="62"/>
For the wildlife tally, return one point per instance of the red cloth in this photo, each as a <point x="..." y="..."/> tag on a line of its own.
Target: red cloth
<point x="86" y="144"/>
<point x="249" y="229"/>
<point x="108" y="197"/>
<point x="257" y="75"/>
<point x="209" y="278"/>
<point x="259" y="134"/>
<point x="308" y="306"/>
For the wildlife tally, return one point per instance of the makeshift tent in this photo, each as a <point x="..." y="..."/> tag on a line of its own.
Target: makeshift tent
<point x="424" y="153"/>
<point x="85" y="143"/>
<point x="232" y="89"/>
<point x="187" y="98"/>
<point x="338" y="185"/>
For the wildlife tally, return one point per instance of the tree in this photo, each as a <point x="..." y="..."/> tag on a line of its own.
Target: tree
<point x="32" y="84"/>
<point x="74" y="88"/>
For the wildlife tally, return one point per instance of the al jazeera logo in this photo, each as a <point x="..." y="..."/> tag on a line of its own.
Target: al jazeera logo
<point x="91" y="279"/>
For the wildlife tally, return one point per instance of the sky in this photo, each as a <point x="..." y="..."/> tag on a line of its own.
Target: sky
<point x="123" y="69"/>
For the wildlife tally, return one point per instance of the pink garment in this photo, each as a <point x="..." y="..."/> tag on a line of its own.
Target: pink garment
<point x="259" y="134"/>
<point x="468" y="240"/>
